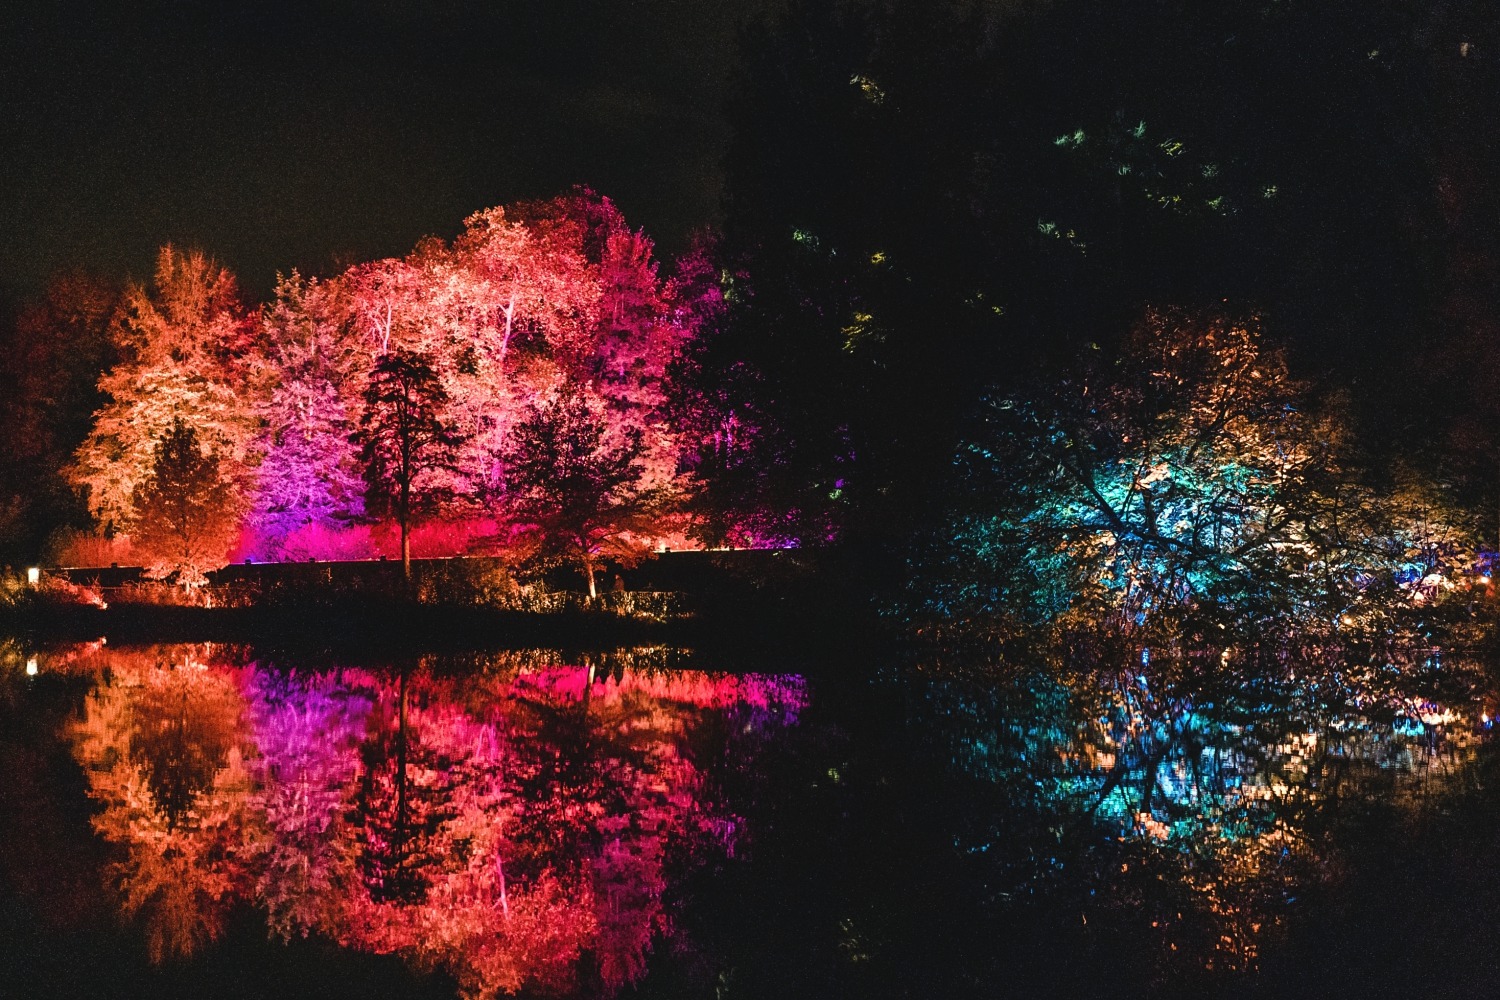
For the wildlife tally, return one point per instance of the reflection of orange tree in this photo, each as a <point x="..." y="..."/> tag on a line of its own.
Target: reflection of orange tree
<point x="163" y="750"/>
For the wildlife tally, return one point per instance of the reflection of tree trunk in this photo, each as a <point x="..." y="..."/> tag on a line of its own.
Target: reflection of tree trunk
<point x="401" y="775"/>
<point x="504" y="897"/>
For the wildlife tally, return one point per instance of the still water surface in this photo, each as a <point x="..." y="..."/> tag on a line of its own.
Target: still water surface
<point x="209" y="817"/>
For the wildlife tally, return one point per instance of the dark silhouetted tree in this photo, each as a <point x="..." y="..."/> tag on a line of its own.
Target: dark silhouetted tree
<point x="49" y="361"/>
<point x="580" y="483"/>
<point x="407" y="444"/>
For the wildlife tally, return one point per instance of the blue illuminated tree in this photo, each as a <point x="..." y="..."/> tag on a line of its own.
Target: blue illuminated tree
<point x="1186" y="485"/>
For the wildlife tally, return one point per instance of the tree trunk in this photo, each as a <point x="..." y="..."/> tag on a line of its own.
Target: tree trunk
<point x="588" y="565"/>
<point x="403" y="515"/>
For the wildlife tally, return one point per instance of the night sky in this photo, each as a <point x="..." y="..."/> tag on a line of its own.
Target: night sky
<point x="315" y="133"/>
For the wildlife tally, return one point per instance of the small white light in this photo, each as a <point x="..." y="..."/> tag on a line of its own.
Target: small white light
<point x="1484" y="579"/>
<point x="33" y="575"/>
<point x="31" y="667"/>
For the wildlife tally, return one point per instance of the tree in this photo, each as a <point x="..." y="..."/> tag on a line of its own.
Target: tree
<point x="579" y="486"/>
<point x="186" y="512"/>
<point x="182" y="346"/>
<point x="163" y="749"/>
<point x="1189" y="479"/>
<point x="51" y="361"/>
<point x="310" y="473"/>
<point x="405" y="438"/>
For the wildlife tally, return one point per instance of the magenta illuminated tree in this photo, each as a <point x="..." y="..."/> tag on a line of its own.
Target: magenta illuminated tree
<point x="583" y="495"/>
<point x="186" y="517"/>
<point x="406" y="440"/>
<point x="311" y="362"/>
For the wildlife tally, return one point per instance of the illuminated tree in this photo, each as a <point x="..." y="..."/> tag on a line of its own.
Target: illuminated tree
<point x="582" y="493"/>
<point x="308" y="357"/>
<point x="1191" y="478"/>
<point x="405" y="438"/>
<point x="186" y="512"/>
<point x="308" y="732"/>
<point x="513" y="295"/>
<point x="182" y="348"/>
<point x="161" y="745"/>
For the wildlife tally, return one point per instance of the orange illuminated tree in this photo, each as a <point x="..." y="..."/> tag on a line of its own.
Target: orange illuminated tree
<point x="186" y="514"/>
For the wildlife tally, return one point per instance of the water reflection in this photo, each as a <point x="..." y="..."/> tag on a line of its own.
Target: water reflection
<point x="540" y="823"/>
<point x="517" y="825"/>
<point x="1198" y="794"/>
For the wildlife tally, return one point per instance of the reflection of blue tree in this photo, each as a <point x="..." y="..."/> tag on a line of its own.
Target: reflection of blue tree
<point x="1191" y="791"/>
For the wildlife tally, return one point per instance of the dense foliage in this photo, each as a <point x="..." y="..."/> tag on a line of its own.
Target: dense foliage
<point x="393" y="390"/>
<point x="1188" y="486"/>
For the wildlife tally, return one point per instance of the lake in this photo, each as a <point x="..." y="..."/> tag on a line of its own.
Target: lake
<point x="222" y="820"/>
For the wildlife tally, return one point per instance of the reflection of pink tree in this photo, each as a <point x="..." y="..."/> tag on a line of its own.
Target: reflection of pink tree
<point x="308" y="731"/>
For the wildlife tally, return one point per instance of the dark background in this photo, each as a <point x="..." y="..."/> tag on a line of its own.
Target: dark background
<point x="280" y="135"/>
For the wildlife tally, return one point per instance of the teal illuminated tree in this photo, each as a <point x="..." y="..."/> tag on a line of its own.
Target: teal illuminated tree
<point x="1189" y="479"/>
